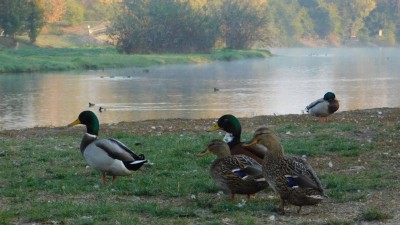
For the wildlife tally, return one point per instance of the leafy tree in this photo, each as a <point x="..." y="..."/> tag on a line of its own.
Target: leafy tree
<point x="147" y="26"/>
<point x="384" y="18"/>
<point x="13" y="16"/>
<point x="35" y="20"/>
<point x="320" y="15"/>
<point x="352" y="14"/>
<point x="323" y="22"/>
<point x="74" y="12"/>
<point x="130" y="27"/>
<point x="360" y="10"/>
<point x="243" y="22"/>
<point x="178" y="27"/>
<point x="99" y="10"/>
<point x="289" y="20"/>
<point x="53" y="10"/>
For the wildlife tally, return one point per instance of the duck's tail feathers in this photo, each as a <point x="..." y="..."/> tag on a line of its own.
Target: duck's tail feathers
<point x="134" y="165"/>
<point x="140" y="156"/>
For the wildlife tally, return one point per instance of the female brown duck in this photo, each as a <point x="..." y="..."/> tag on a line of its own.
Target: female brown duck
<point x="291" y="177"/>
<point x="236" y="174"/>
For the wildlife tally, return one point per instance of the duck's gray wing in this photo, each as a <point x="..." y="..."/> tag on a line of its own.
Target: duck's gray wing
<point x="117" y="150"/>
<point x="313" y="104"/>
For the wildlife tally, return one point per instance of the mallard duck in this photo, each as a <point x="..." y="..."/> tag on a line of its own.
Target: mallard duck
<point x="236" y="174"/>
<point x="102" y="109"/>
<point x="231" y="125"/>
<point x="91" y="104"/>
<point x="324" y="107"/>
<point x="291" y="177"/>
<point x="108" y="156"/>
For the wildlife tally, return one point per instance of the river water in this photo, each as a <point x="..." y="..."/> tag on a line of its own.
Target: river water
<point x="284" y="84"/>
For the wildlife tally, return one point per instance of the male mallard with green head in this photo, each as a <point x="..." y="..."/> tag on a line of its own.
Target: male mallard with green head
<point x="108" y="156"/>
<point x="291" y="177"/>
<point x="236" y="174"/>
<point x="231" y="125"/>
<point x="324" y="107"/>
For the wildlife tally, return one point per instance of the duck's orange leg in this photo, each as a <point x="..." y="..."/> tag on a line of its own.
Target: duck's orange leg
<point x="281" y="209"/>
<point x="232" y="197"/>
<point x="323" y="119"/>
<point x="104" y="178"/>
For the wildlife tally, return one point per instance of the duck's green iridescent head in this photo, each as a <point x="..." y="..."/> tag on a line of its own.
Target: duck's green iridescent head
<point x="228" y="123"/>
<point x="89" y="119"/>
<point x="329" y="96"/>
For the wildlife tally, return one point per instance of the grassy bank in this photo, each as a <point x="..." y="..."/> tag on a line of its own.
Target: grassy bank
<point x="44" y="179"/>
<point x="51" y="59"/>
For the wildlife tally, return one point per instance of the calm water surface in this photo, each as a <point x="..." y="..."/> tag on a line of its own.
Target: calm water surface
<point x="285" y="84"/>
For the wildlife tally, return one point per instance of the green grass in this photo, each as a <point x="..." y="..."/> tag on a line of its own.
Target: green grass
<point x="323" y="139"/>
<point x="44" y="179"/>
<point x="338" y="222"/>
<point x="373" y="214"/>
<point x="47" y="180"/>
<point x="29" y="59"/>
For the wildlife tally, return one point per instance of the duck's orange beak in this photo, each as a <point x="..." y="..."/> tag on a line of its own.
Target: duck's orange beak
<point x="214" y="128"/>
<point x="204" y="152"/>
<point x="251" y="143"/>
<point x="76" y="122"/>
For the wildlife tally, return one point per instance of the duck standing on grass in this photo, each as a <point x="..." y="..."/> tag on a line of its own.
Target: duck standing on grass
<point x="231" y="125"/>
<point x="108" y="156"/>
<point x="291" y="177"/>
<point x="323" y="107"/>
<point x="236" y="174"/>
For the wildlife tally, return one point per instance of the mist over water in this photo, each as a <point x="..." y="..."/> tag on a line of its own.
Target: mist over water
<point x="360" y="77"/>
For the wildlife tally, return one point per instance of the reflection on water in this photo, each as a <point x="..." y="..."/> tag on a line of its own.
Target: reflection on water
<point x="285" y="84"/>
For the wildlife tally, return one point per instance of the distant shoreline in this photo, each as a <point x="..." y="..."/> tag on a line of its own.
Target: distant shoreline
<point x="28" y="60"/>
<point x="172" y="124"/>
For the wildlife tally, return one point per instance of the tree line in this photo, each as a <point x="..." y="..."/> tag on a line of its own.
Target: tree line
<point x="147" y="26"/>
<point x="30" y="16"/>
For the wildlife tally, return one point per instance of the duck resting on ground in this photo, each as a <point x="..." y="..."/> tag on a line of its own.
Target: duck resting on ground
<point x="108" y="155"/>
<point x="231" y="125"/>
<point x="291" y="177"/>
<point x="323" y="107"/>
<point x="236" y="174"/>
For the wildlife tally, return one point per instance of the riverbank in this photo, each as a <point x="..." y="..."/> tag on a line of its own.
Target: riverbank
<point x="44" y="179"/>
<point x="30" y="59"/>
